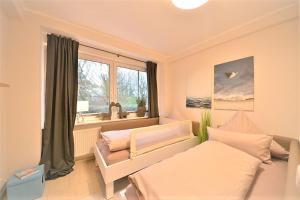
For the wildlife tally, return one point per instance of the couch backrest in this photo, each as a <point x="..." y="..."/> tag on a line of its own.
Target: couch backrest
<point x="121" y="124"/>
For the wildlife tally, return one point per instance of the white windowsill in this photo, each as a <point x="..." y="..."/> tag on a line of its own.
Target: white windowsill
<point x="78" y="124"/>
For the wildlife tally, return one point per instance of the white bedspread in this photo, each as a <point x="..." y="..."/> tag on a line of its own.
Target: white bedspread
<point x="209" y="171"/>
<point x="269" y="182"/>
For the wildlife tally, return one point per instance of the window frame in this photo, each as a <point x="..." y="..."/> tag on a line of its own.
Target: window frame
<point x="132" y="68"/>
<point x="103" y="61"/>
<point x="114" y="62"/>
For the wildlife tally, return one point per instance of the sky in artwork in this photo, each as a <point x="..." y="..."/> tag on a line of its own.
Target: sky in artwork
<point x="234" y="81"/>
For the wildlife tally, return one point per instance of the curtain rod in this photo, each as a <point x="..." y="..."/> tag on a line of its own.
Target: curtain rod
<point x="119" y="55"/>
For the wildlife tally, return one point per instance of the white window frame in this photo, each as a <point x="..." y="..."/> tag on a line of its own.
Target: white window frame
<point x="118" y="64"/>
<point x="102" y="61"/>
<point x="113" y="62"/>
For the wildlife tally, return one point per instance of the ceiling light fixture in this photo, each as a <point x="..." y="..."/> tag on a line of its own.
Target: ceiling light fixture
<point x="188" y="4"/>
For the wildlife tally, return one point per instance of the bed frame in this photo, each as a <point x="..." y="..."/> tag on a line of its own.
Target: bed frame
<point x="113" y="172"/>
<point x="291" y="191"/>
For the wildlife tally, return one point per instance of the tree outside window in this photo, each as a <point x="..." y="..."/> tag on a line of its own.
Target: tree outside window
<point x="93" y="85"/>
<point x="131" y="84"/>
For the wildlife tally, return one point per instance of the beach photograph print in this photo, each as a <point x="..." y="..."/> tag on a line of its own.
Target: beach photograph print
<point x="197" y="102"/>
<point x="234" y="85"/>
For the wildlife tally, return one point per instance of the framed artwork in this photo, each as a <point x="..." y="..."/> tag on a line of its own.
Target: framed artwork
<point x="198" y="102"/>
<point x="234" y="85"/>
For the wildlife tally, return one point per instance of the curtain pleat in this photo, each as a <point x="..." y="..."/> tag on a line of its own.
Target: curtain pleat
<point x="60" y="106"/>
<point x="152" y="89"/>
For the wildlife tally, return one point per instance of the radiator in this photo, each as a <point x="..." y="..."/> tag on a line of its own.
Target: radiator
<point x="84" y="141"/>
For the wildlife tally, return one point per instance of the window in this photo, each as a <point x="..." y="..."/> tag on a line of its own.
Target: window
<point x="131" y="84"/>
<point x="93" y="87"/>
<point x="102" y="81"/>
<point x="103" y="78"/>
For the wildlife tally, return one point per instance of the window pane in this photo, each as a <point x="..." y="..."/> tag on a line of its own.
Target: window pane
<point x="127" y="87"/>
<point x="93" y="87"/>
<point x="131" y="84"/>
<point x="143" y="87"/>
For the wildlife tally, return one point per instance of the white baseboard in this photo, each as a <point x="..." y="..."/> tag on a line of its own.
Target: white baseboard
<point x="85" y="157"/>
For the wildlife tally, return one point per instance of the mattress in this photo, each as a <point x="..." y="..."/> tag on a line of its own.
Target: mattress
<point x="269" y="183"/>
<point x="112" y="157"/>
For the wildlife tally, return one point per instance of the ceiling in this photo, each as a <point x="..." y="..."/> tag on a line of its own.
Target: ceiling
<point x="157" y="24"/>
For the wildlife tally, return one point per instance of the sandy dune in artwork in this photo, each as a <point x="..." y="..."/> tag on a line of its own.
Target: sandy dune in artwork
<point x="247" y="105"/>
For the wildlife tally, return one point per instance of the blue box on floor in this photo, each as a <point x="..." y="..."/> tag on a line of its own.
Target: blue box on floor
<point x="29" y="188"/>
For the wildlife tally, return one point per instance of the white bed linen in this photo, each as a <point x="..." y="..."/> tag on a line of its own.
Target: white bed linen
<point x="146" y="137"/>
<point x="152" y="136"/>
<point x="117" y="140"/>
<point x="209" y="171"/>
<point x="257" y="145"/>
<point x="269" y="182"/>
<point x="241" y="123"/>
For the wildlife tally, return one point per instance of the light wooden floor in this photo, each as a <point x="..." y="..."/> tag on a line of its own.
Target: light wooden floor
<point x="85" y="183"/>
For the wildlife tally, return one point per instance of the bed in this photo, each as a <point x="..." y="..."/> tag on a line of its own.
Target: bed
<point x="109" y="157"/>
<point x="142" y="151"/>
<point x="269" y="182"/>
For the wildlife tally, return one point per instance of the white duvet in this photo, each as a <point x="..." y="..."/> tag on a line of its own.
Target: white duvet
<point x="210" y="171"/>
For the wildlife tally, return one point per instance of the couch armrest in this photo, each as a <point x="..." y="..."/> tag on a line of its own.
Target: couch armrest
<point x="283" y="141"/>
<point x="291" y="192"/>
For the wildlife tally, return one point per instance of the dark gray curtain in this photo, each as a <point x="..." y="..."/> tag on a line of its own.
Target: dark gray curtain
<point x="60" y="106"/>
<point x="152" y="90"/>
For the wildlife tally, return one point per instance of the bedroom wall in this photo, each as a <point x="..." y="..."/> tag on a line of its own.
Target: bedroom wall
<point x="3" y="155"/>
<point x="23" y="71"/>
<point x="299" y="72"/>
<point x="275" y="53"/>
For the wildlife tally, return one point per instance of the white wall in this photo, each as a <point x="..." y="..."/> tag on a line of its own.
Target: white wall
<point x="3" y="155"/>
<point x="23" y="72"/>
<point x="299" y="71"/>
<point x="275" y="53"/>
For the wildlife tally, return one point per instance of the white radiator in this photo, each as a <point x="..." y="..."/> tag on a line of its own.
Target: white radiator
<point x="84" y="141"/>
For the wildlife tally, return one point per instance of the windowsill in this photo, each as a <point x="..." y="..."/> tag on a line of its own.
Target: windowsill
<point x="90" y="122"/>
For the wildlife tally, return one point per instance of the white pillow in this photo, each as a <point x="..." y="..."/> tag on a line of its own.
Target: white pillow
<point x="117" y="140"/>
<point x="278" y="151"/>
<point x="255" y="145"/>
<point x="120" y="139"/>
<point x="241" y="123"/>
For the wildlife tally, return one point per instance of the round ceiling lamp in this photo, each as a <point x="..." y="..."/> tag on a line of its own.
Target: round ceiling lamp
<point x="188" y="4"/>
